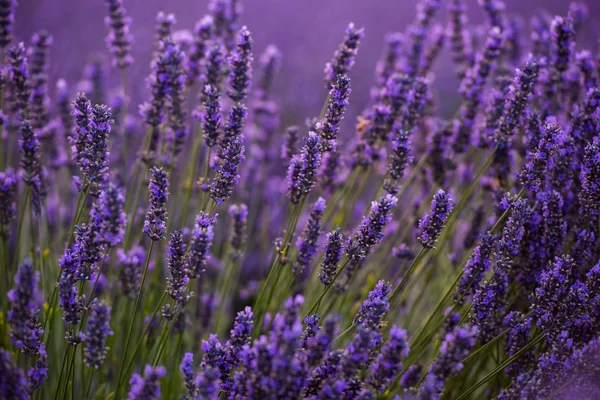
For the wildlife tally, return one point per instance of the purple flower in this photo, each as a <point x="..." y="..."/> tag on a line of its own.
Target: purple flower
<point x="472" y="87"/>
<point x="25" y="330"/>
<point x="214" y="65"/>
<point x="226" y="14"/>
<point x="336" y="107"/>
<point x="109" y="214"/>
<point x="164" y="26"/>
<point x="417" y="33"/>
<point x="155" y="224"/>
<point x="202" y="238"/>
<point x="515" y="105"/>
<point x="343" y="58"/>
<point x="38" y="373"/>
<point x="240" y="67"/>
<point x="187" y="370"/>
<point x="373" y="309"/>
<point x="307" y="241"/>
<point x="489" y="302"/>
<point x="460" y="37"/>
<point x="554" y="283"/>
<point x="13" y="384"/>
<point x="398" y="160"/>
<point x="590" y="179"/>
<point x="495" y="12"/>
<point x="131" y="265"/>
<point x="237" y="235"/>
<point x="20" y="84"/>
<point x="148" y="387"/>
<point x="228" y="170"/>
<point x="95" y="156"/>
<point x="479" y="263"/>
<point x="212" y="120"/>
<point x="431" y="224"/>
<point x="8" y="197"/>
<point x="119" y="37"/>
<point x="270" y="63"/>
<point x="177" y="282"/>
<point x="81" y="110"/>
<point x="33" y="172"/>
<point x="41" y="41"/>
<point x="370" y="231"/>
<point x="387" y="64"/>
<point x="538" y="159"/>
<point x="333" y="254"/>
<point x="96" y="334"/>
<point x="242" y="330"/>
<point x="288" y="149"/>
<point x="456" y="346"/>
<point x="7" y="17"/>
<point x="318" y="345"/>
<point x="302" y="172"/>
<point x="562" y="44"/>
<point x="87" y="250"/>
<point x="71" y="302"/>
<point x="202" y="34"/>
<point x="389" y="361"/>
<point x="234" y="126"/>
<point x="518" y="336"/>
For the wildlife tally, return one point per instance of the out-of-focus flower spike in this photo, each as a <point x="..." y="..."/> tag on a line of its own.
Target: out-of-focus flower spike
<point x="307" y="241"/>
<point x="7" y="18"/>
<point x="199" y="251"/>
<point x="13" y="384"/>
<point x="33" y="172"/>
<point x="374" y="308"/>
<point x="460" y="37"/>
<point x="479" y="262"/>
<point x="389" y="361"/>
<point x="155" y="224"/>
<point x="240" y="67"/>
<point x="119" y="37"/>
<point x="8" y="200"/>
<point x="203" y="31"/>
<point x="495" y="12"/>
<point x="270" y="63"/>
<point x="20" y="84"/>
<point x="388" y="64"/>
<point x="96" y="334"/>
<point x="227" y="170"/>
<point x="131" y="264"/>
<point x="109" y="214"/>
<point x="237" y="235"/>
<point x="25" y="330"/>
<point x="148" y="387"/>
<point x="288" y="149"/>
<point x="164" y="27"/>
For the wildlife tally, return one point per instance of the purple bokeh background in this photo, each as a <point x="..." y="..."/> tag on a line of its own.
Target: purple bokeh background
<point x="306" y="31"/>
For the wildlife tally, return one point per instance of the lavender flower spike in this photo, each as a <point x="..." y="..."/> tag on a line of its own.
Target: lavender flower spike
<point x="187" y="370"/>
<point x="389" y="362"/>
<point x="119" y="37"/>
<point x="212" y="119"/>
<point x="228" y="170"/>
<point x="343" y="58"/>
<point x="539" y="158"/>
<point x="202" y="239"/>
<point x="590" y="179"/>
<point x="431" y="224"/>
<point x="96" y="334"/>
<point x="176" y="287"/>
<point x="7" y="17"/>
<point x="13" y="384"/>
<point x="373" y="309"/>
<point x="26" y="332"/>
<point x="307" y="241"/>
<point x="148" y="387"/>
<point x="131" y="264"/>
<point x="302" y="172"/>
<point x="202" y="34"/>
<point x="333" y="254"/>
<point x="109" y="214"/>
<point x="336" y="107"/>
<point x="456" y="346"/>
<point x="8" y="204"/>
<point x="240" y="67"/>
<point x="237" y="236"/>
<point x="155" y="225"/>
<point x="95" y="166"/>
<point x="31" y="164"/>
<point x="20" y="80"/>
<point x="370" y="231"/>
<point x="81" y="110"/>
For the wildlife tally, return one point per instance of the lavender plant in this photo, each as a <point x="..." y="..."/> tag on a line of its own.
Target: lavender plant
<point x="190" y="250"/>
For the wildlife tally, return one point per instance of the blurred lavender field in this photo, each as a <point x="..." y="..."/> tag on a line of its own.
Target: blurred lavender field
<point x="306" y="31"/>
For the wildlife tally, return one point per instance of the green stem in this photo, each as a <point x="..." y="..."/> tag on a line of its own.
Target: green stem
<point x="412" y="267"/>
